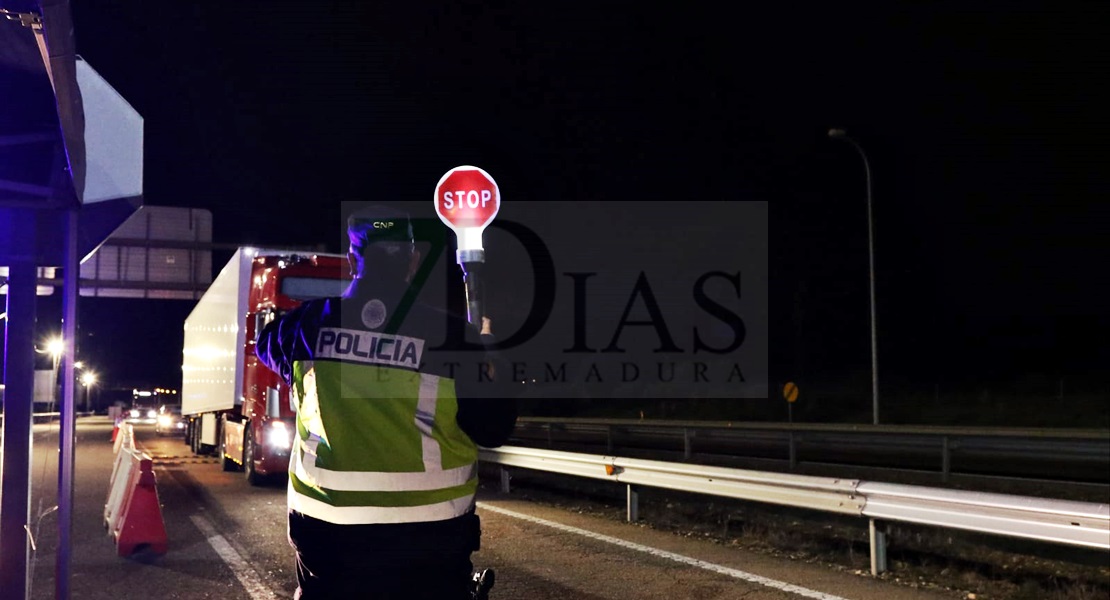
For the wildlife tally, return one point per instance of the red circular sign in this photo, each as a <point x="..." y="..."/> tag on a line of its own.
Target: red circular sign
<point x="467" y="197"/>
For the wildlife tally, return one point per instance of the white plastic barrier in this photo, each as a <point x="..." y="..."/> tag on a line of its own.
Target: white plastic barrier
<point x="133" y="513"/>
<point x="117" y="484"/>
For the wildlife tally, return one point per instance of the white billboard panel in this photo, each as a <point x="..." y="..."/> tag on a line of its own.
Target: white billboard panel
<point x="113" y="140"/>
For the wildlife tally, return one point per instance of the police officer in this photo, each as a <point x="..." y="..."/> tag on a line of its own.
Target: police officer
<point x="384" y="467"/>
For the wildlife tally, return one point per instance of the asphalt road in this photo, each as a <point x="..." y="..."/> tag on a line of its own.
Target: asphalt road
<point x="227" y="541"/>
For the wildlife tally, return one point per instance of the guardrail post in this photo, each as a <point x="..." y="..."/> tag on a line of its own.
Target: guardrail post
<point x="633" y="504"/>
<point x="945" y="459"/>
<point x="877" y="537"/>
<point x="505" y="480"/>
<point x="687" y="443"/>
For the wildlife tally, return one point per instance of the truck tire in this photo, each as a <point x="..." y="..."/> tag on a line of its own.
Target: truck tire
<point x="194" y="437"/>
<point x="225" y="461"/>
<point x="253" y="477"/>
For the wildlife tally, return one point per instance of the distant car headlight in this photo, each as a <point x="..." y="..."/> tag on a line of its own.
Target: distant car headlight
<point x="279" y="435"/>
<point x="165" y="420"/>
<point x="134" y="413"/>
<point x="150" y="414"/>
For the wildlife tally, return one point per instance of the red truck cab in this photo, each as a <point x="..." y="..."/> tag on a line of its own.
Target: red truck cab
<point x="237" y="406"/>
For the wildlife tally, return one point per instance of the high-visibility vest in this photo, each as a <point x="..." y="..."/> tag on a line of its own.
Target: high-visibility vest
<point x="378" y="444"/>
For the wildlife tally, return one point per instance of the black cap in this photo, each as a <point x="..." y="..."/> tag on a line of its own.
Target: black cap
<point x="381" y="227"/>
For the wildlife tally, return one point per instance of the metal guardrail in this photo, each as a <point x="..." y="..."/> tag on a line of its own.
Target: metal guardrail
<point x="39" y="417"/>
<point x="1063" y="454"/>
<point x="1057" y="521"/>
<point x="1033" y="432"/>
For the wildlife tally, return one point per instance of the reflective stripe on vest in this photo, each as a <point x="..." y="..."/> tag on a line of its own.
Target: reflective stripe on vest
<point x="425" y="420"/>
<point x="433" y="479"/>
<point x="356" y="515"/>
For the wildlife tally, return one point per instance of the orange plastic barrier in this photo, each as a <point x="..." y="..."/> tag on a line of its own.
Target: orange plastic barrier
<point x="133" y="514"/>
<point x="140" y="517"/>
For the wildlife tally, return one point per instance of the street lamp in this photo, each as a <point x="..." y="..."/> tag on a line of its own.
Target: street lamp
<point x="840" y="134"/>
<point x="55" y="347"/>
<point x="88" y="378"/>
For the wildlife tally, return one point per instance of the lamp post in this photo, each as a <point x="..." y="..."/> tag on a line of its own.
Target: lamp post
<point x="88" y="378"/>
<point x="54" y="347"/>
<point x="840" y="134"/>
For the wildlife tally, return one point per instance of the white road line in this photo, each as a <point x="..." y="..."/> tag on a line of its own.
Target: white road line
<point x="701" y="564"/>
<point x="242" y="570"/>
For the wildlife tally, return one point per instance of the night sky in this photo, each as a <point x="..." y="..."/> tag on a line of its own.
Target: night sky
<point x="986" y="127"/>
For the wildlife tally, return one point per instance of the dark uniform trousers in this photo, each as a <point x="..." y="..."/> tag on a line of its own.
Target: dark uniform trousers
<point x="404" y="561"/>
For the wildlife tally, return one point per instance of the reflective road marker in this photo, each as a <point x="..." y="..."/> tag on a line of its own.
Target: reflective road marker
<point x="242" y="570"/>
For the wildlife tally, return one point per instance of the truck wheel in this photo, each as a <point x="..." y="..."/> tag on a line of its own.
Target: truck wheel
<point x="225" y="461"/>
<point x="194" y="438"/>
<point x="253" y="477"/>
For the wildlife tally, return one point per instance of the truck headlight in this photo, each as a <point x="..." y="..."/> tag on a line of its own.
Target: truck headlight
<point x="279" y="435"/>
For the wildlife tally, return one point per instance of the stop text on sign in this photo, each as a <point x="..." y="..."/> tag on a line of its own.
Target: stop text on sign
<point x="471" y="198"/>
